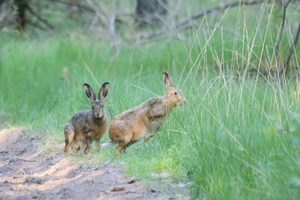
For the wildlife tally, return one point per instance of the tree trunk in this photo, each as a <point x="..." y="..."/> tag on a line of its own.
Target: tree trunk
<point x="21" y="16"/>
<point x="151" y="11"/>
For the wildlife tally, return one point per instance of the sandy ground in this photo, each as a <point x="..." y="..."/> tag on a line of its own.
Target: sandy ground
<point x="27" y="171"/>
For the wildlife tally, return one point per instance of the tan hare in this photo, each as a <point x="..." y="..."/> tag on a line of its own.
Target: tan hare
<point x="141" y="122"/>
<point x="87" y="125"/>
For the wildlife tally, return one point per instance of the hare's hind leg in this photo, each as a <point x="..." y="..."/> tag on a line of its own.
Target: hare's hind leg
<point x="88" y="147"/>
<point x="118" y="149"/>
<point x="128" y="145"/>
<point x="69" y="136"/>
<point x="122" y="144"/>
<point x="77" y="145"/>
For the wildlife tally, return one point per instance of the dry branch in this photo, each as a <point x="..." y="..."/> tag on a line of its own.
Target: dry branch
<point x="184" y="23"/>
<point x="292" y="49"/>
<point x="281" y="30"/>
<point x="39" y="17"/>
<point x="219" y="8"/>
<point x="78" y="5"/>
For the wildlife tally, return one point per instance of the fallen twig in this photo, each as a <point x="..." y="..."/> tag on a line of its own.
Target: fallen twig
<point x="22" y="171"/>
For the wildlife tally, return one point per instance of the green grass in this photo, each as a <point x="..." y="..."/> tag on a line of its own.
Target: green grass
<point x="236" y="138"/>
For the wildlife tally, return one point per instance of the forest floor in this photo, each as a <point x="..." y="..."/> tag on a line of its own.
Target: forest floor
<point x="28" y="171"/>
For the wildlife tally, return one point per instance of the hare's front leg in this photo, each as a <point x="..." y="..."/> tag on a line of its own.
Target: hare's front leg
<point x="150" y="133"/>
<point x="98" y="144"/>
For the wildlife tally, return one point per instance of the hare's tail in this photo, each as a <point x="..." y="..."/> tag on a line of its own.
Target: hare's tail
<point x="108" y="143"/>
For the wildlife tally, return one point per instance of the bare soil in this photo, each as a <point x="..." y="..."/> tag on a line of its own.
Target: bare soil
<point x="27" y="171"/>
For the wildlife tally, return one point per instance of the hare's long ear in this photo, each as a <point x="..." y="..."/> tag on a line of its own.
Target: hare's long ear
<point x="89" y="92"/>
<point x="167" y="79"/>
<point x="103" y="91"/>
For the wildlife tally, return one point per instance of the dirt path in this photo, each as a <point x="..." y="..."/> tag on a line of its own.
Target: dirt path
<point x="29" y="172"/>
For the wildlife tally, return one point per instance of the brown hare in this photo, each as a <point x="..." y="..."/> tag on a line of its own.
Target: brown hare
<point x="141" y="122"/>
<point x="87" y="125"/>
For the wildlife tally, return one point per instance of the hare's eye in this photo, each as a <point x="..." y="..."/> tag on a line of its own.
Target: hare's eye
<point x="102" y="106"/>
<point x="175" y="93"/>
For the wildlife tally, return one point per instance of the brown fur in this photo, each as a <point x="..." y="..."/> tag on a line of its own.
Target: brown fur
<point x="87" y="125"/>
<point x="141" y="122"/>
